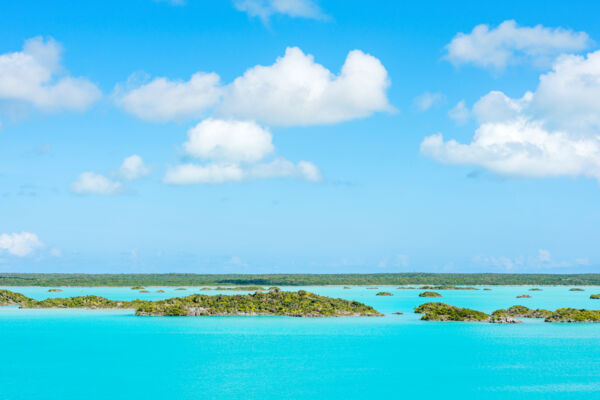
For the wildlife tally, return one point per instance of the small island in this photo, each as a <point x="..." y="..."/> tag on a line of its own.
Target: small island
<point x="524" y="312"/>
<point x="384" y="294"/>
<point x="137" y="287"/>
<point x="576" y="290"/>
<point x="446" y="312"/>
<point x="574" y="315"/>
<point x="275" y="302"/>
<point x="595" y="297"/>
<point x="535" y="290"/>
<point x="160" y="291"/>
<point x="54" y="290"/>
<point x="429" y="294"/>
<point x="524" y="296"/>
<point x="447" y="287"/>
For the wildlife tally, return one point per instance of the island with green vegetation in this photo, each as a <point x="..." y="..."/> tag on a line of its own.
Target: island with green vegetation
<point x="137" y="288"/>
<point x="574" y="315"/>
<point x="384" y="294"/>
<point x="595" y="297"/>
<point x="524" y="296"/>
<point x="234" y="288"/>
<point x="535" y="290"/>
<point x="576" y="290"/>
<point x="275" y="302"/>
<point x="523" y="312"/>
<point x="429" y="294"/>
<point x="446" y="312"/>
<point x="54" y="290"/>
<point x="447" y="287"/>
<point x="396" y="279"/>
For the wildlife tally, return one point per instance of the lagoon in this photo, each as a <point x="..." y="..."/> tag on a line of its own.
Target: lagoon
<point x="75" y="354"/>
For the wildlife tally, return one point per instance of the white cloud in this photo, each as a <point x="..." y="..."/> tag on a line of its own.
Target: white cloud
<point x="520" y="148"/>
<point x="93" y="183"/>
<point x="553" y="131"/>
<point x="236" y="141"/>
<point x="293" y="91"/>
<point x="56" y="252"/>
<point x="508" y="44"/>
<point x="35" y="76"/>
<point x="544" y="256"/>
<point x="162" y="99"/>
<point x="460" y="112"/>
<point x="297" y="91"/>
<point x="427" y="100"/>
<point x="133" y="167"/>
<point x="236" y="151"/>
<point x="187" y="174"/>
<point x="19" y="244"/>
<point x="543" y="260"/>
<point x="264" y="9"/>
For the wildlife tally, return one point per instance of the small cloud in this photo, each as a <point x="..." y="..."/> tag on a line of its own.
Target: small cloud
<point x="133" y="167"/>
<point x="264" y="9"/>
<point x="459" y="113"/>
<point x="544" y="256"/>
<point x="19" y="244"/>
<point x="427" y="100"/>
<point x="93" y="183"/>
<point x="55" y="252"/>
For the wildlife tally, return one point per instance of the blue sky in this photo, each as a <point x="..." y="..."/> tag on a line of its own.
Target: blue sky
<point x="299" y="136"/>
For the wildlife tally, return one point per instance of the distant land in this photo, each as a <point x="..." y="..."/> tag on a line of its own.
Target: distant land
<point x="416" y="278"/>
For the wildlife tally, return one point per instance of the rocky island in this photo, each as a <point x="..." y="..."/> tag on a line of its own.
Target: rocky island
<point x="275" y="302"/>
<point x="446" y="312"/>
<point x="54" y="290"/>
<point x="383" y="294"/>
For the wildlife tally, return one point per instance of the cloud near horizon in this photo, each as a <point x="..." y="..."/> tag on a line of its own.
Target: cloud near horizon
<point x="19" y="244"/>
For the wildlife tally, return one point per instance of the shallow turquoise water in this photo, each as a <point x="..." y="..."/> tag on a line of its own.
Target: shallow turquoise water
<point x="79" y="354"/>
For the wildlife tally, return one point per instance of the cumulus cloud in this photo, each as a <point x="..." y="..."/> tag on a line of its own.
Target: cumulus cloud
<point x="427" y="100"/>
<point x="34" y="76"/>
<point x="297" y="91"/>
<point x="93" y="183"/>
<point x="19" y="244"/>
<point x="553" y="131"/>
<point x="509" y="43"/>
<point x="133" y="167"/>
<point x="162" y="99"/>
<point x="264" y="9"/>
<point x="234" y="151"/>
<point x="239" y="141"/>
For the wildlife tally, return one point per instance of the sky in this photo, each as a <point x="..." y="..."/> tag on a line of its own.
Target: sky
<point x="299" y="136"/>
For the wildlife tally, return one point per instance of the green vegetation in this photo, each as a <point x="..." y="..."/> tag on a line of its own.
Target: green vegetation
<point x="50" y="280"/>
<point x="144" y="291"/>
<point x="54" y="290"/>
<point x="137" y="287"/>
<point x="236" y="288"/>
<point x="524" y="312"/>
<point x="446" y="312"/>
<point x="576" y="290"/>
<point x="595" y="297"/>
<point x="574" y="315"/>
<point x="430" y="294"/>
<point x="487" y="288"/>
<point x="447" y="287"/>
<point x="90" y="302"/>
<point x="275" y="302"/>
<point x="524" y="296"/>
<point x="384" y="294"/>
<point x="8" y="298"/>
<point x="347" y="287"/>
<point x="372" y="288"/>
<point x="535" y="290"/>
<point x="406" y="287"/>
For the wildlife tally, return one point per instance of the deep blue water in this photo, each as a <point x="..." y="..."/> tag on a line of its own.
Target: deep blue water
<point x="109" y="355"/>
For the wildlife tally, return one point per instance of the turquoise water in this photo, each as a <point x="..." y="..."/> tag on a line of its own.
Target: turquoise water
<point x="79" y="354"/>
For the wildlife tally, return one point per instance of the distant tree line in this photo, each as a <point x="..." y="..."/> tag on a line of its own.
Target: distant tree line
<point x="28" y="279"/>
